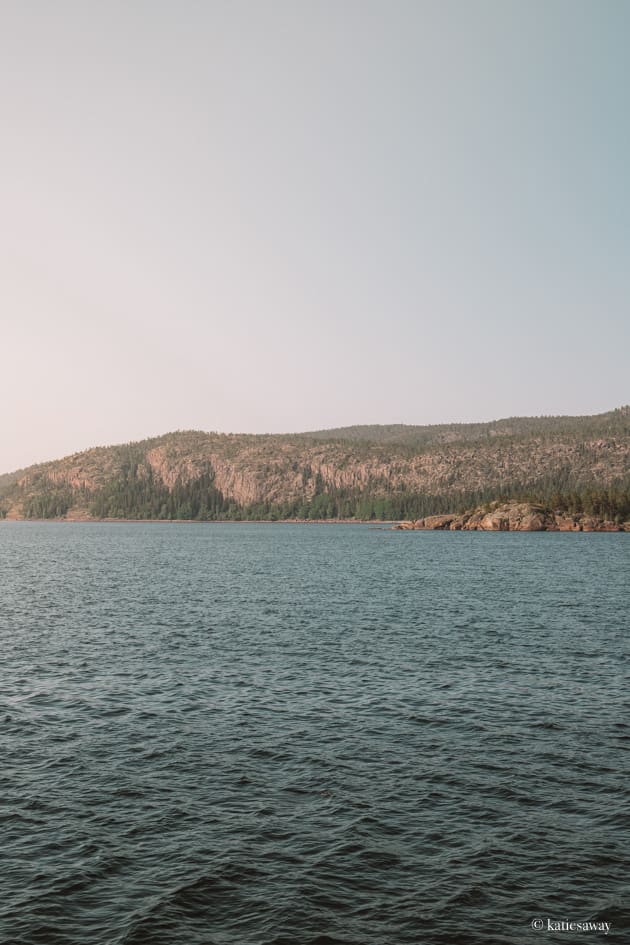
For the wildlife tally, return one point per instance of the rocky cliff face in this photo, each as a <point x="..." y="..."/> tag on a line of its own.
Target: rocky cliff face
<point x="493" y="459"/>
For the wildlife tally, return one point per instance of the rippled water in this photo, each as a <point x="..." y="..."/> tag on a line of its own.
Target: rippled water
<point x="257" y="734"/>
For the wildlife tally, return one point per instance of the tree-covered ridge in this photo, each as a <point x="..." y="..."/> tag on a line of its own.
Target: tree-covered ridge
<point x="7" y="479"/>
<point x="575" y="464"/>
<point x="614" y="422"/>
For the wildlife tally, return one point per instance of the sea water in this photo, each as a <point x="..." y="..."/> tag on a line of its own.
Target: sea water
<point x="250" y="734"/>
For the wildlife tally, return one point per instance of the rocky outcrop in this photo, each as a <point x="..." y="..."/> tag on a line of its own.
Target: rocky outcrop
<point x="514" y="517"/>
<point x="440" y="522"/>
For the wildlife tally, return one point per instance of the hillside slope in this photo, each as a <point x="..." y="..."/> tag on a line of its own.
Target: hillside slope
<point x="363" y="472"/>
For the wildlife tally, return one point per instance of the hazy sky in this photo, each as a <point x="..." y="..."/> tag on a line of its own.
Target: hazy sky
<point x="279" y="216"/>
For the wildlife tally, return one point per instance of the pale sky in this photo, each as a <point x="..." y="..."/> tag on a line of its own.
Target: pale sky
<point x="273" y="216"/>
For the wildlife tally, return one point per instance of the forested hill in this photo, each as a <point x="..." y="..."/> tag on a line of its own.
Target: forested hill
<point x="384" y="472"/>
<point x="605" y="424"/>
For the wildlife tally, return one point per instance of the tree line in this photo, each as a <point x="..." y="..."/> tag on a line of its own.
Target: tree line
<point x="137" y="494"/>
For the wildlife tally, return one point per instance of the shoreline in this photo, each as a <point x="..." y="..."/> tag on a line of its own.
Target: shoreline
<point x="495" y="517"/>
<point x="196" y="521"/>
<point x="392" y="525"/>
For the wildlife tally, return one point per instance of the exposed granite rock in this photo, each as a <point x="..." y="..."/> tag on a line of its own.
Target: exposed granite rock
<point x="567" y="523"/>
<point x="514" y="517"/>
<point x="519" y="517"/>
<point x="471" y="521"/>
<point x="442" y="522"/>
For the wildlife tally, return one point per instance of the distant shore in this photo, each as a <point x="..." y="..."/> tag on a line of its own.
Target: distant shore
<point x="85" y="520"/>
<point x="513" y="517"/>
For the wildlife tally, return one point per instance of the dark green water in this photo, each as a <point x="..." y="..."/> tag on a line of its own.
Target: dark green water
<point x="257" y="734"/>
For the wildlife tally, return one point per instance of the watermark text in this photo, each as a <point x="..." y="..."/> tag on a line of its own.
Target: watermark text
<point x="563" y="925"/>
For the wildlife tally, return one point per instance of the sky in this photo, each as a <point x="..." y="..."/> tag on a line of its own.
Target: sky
<point x="274" y="216"/>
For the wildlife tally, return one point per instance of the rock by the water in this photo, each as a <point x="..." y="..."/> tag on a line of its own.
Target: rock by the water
<point x="514" y="517"/>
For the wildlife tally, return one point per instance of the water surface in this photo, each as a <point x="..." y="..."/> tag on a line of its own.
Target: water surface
<point x="289" y="735"/>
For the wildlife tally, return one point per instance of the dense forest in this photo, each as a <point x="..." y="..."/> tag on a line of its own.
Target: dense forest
<point x="142" y="497"/>
<point x="194" y="502"/>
